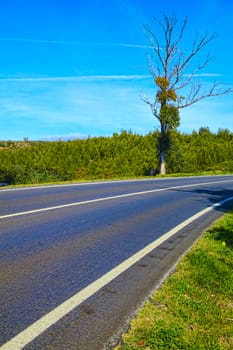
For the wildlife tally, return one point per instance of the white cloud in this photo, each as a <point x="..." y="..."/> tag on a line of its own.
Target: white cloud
<point x="40" y="41"/>
<point x="205" y="75"/>
<point x="67" y="42"/>
<point x="77" y="78"/>
<point x="60" y="107"/>
<point x="9" y="105"/>
<point x="139" y="46"/>
<point x="84" y="107"/>
<point x="119" y="77"/>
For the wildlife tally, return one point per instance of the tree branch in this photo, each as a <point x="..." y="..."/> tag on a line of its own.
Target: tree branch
<point x="153" y="106"/>
<point x="196" y="95"/>
<point x="197" y="46"/>
<point x="154" y="42"/>
<point x="178" y="75"/>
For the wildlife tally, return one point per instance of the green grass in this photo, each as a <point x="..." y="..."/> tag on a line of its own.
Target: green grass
<point x="193" y="309"/>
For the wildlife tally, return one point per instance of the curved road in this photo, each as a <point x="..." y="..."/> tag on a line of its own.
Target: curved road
<point x="78" y="260"/>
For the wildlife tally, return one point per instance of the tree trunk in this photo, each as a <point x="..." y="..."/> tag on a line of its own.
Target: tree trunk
<point x="163" y="144"/>
<point x="162" y="164"/>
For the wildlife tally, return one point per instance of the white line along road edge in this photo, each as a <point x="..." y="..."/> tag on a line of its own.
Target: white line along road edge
<point x="38" y="327"/>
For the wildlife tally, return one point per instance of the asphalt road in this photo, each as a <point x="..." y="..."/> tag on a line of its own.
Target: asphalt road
<point x="71" y="275"/>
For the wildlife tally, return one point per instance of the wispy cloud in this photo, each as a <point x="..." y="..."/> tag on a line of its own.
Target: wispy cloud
<point x="93" y="107"/>
<point x="88" y="108"/>
<point x="94" y="78"/>
<point x="205" y="75"/>
<point x="68" y="42"/>
<point x="78" y="78"/>
<point x="139" y="46"/>
<point x="41" y="41"/>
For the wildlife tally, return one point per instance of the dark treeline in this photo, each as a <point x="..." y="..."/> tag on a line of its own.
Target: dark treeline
<point x="122" y="155"/>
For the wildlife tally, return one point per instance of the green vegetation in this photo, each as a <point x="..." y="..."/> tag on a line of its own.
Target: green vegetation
<point x="120" y="156"/>
<point x="193" y="309"/>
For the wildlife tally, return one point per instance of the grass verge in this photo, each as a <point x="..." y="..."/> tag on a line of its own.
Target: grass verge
<point x="193" y="309"/>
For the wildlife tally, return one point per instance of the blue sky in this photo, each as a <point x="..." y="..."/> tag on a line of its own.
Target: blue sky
<point x="73" y="68"/>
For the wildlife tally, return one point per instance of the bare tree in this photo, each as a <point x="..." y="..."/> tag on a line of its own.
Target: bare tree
<point x="175" y="72"/>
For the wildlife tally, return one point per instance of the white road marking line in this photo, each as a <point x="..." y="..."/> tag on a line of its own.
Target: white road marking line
<point x="72" y="184"/>
<point x="37" y="328"/>
<point x="108" y="198"/>
<point x="25" y="188"/>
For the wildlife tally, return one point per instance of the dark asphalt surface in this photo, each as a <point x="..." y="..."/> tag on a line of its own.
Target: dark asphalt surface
<point x="46" y="257"/>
